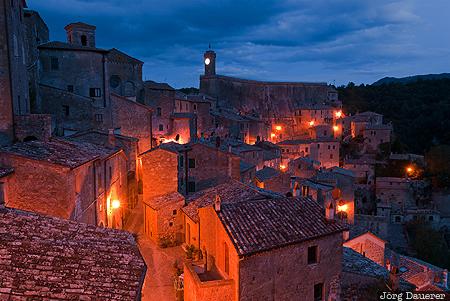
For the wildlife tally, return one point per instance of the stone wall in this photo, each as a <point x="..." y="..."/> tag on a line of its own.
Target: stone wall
<point x="271" y="99"/>
<point x="133" y="119"/>
<point x="280" y="183"/>
<point x="14" y="98"/>
<point x="284" y="274"/>
<point x="32" y="126"/>
<point x="212" y="166"/>
<point x="159" y="173"/>
<point x="215" y="290"/>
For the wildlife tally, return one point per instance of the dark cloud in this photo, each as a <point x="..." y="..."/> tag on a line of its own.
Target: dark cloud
<point x="325" y="40"/>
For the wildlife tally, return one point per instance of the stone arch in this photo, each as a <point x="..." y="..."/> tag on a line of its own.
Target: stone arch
<point x="129" y="89"/>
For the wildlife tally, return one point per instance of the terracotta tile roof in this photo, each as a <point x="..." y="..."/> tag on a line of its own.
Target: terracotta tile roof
<point x="231" y="191"/>
<point x="157" y="86"/>
<point x="162" y="201"/>
<point x="5" y="171"/>
<point x="69" y="153"/>
<point x="260" y="225"/>
<point x="267" y="173"/>
<point x="45" y="258"/>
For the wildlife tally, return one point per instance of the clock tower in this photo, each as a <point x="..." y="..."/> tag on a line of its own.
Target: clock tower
<point x="209" y="59"/>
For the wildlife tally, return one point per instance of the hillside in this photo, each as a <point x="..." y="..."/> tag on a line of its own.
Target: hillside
<point x="411" y="79"/>
<point x="419" y="111"/>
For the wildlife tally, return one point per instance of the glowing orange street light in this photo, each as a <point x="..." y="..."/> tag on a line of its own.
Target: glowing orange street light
<point x="343" y="208"/>
<point x="409" y="169"/>
<point x="338" y="114"/>
<point x="115" y="204"/>
<point x="278" y="128"/>
<point x="272" y="135"/>
<point x="282" y="167"/>
<point x="311" y="123"/>
<point x="335" y="128"/>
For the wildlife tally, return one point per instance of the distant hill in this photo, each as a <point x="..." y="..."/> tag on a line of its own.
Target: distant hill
<point x="410" y="79"/>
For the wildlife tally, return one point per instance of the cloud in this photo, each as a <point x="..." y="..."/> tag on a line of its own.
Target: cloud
<point x="321" y="39"/>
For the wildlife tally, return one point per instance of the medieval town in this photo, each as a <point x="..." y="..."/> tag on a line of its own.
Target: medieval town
<point x="113" y="187"/>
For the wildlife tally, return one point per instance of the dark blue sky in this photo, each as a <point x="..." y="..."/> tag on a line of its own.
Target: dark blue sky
<point x="295" y="40"/>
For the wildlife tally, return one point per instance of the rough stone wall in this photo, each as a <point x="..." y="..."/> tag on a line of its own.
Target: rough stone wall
<point x="133" y="119"/>
<point x="395" y="191"/>
<point x="159" y="173"/>
<point x="327" y="153"/>
<point x="38" y="126"/>
<point x="36" y="33"/>
<point x="271" y="99"/>
<point x="196" y="290"/>
<point x="374" y="137"/>
<point x="281" y="183"/>
<point x="356" y="287"/>
<point x="212" y="166"/>
<point x="284" y="274"/>
<point x="192" y="232"/>
<point x="81" y="69"/>
<point x="170" y="225"/>
<point x="129" y="73"/>
<point x="205" y="121"/>
<point x="40" y="187"/>
<point x="14" y="98"/>
<point x="213" y="238"/>
<point x="248" y="176"/>
<point x="255" y="157"/>
<point x="165" y="100"/>
<point x="81" y="113"/>
<point x="374" y="223"/>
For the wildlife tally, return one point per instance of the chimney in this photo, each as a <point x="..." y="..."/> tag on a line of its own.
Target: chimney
<point x="217" y="203"/>
<point x="329" y="212"/>
<point x="394" y="279"/>
<point x="111" y="138"/>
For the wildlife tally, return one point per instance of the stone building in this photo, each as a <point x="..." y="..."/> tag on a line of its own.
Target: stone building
<point x="268" y="256"/>
<point x="231" y="191"/>
<point x="370" y="126"/>
<point x="66" y="260"/>
<point x="14" y="95"/>
<point x="273" y="180"/>
<point x="68" y="179"/>
<point x="37" y="33"/>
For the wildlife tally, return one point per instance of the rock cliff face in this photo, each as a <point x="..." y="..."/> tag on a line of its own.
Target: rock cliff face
<point x="270" y="99"/>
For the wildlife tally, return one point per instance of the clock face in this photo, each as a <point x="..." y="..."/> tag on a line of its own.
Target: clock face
<point x="207" y="61"/>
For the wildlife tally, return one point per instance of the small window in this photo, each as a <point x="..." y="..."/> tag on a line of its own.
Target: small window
<point x="331" y="156"/>
<point x="54" y="63"/>
<point x="329" y="146"/>
<point x="430" y="218"/>
<point x="70" y="88"/>
<point x="158" y="111"/>
<point x="83" y="40"/>
<point x="170" y="224"/>
<point x="191" y="163"/>
<point x="312" y="255"/>
<point x="161" y="127"/>
<point x="306" y="149"/>
<point x="318" y="145"/>
<point x="174" y="212"/>
<point x="66" y="110"/>
<point x="99" y="117"/>
<point x="318" y="292"/>
<point x="191" y="186"/>
<point x="110" y="173"/>
<point x="195" y="107"/>
<point x="95" y="92"/>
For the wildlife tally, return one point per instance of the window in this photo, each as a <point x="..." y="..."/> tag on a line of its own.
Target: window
<point x="331" y="156"/>
<point x="99" y="117"/>
<point x="174" y="212"/>
<point x="318" y="145"/>
<point x="181" y="161"/>
<point x="312" y="255"/>
<point x="329" y="146"/>
<point x="158" y="111"/>
<point x="306" y="149"/>
<point x="318" y="292"/>
<point x="70" y="88"/>
<point x="161" y="127"/>
<point x="110" y="173"/>
<point x="170" y="224"/>
<point x="54" y="62"/>
<point x="66" y="110"/>
<point x="95" y="92"/>
<point x="191" y="186"/>
<point x="83" y="40"/>
<point x="195" y="107"/>
<point x="334" y="146"/>
<point x="430" y="218"/>
<point x="191" y="163"/>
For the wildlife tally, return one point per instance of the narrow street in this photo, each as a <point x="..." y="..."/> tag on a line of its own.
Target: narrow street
<point x="158" y="284"/>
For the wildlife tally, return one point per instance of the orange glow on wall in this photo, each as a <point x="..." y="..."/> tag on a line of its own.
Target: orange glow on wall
<point x="282" y="167"/>
<point x="311" y="123"/>
<point x="409" y="169"/>
<point x="272" y="135"/>
<point x="278" y="128"/>
<point x="338" y="114"/>
<point x="335" y="128"/>
<point x="167" y="140"/>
